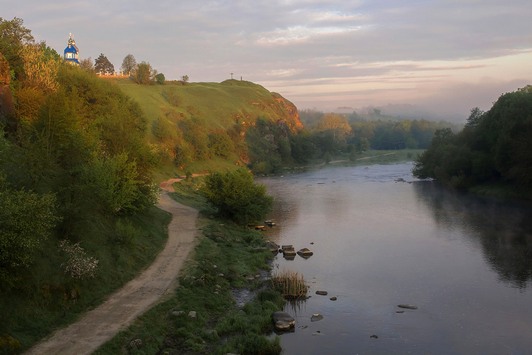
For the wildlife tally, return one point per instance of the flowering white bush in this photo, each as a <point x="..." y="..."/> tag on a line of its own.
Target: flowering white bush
<point x="78" y="265"/>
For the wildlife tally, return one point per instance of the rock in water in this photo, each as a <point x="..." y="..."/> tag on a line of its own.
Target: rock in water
<point x="407" y="306"/>
<point x="316" y="317"/>
<point x="321" y="293"/>
<point x="305" y="253"/>
<point x="283" y="321"/>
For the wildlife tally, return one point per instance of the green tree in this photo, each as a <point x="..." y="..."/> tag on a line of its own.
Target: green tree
<point x="160" y="79"/>
<point x="128" y="64"/>
<point x="13" y="37"/>
<point x="26" y="220"/>
<point x="103" y="66"/>
<point x="236" y="196"/>
<point x="144" y="73"/>
<point x="115" y="182"/>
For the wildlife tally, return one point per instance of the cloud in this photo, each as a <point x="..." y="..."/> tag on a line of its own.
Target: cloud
<point x="335" y="53"/>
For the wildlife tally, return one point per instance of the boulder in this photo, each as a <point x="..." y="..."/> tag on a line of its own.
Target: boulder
<point x="305" y="253"/>
<point x="283" y="321"/>
<point x="321" y="293"/>
<point x="272" y="246"/>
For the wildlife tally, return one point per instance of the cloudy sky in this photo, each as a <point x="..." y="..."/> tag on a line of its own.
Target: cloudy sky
<point x="442" y="56"/>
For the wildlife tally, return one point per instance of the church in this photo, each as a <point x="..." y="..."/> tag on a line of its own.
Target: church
<point x="71" y="53"/>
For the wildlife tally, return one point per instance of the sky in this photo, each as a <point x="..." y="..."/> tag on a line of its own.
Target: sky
<point x="441" y="57"/>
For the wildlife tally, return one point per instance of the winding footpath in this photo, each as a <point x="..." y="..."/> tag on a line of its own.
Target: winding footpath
<point x="121" y="308"/>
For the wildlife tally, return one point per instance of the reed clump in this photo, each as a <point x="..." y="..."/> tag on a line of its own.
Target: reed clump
<point x="290" y="284"/>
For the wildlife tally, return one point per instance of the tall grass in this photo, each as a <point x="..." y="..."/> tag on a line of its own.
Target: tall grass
<point x="290" y="284"/>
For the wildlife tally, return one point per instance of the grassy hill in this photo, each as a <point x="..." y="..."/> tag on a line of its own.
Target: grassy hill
<point x="227" y="109"/>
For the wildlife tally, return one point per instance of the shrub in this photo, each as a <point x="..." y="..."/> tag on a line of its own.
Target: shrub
<point x="236" y="196"/>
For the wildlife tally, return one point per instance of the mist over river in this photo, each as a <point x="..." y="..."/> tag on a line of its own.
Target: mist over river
<point x="379" y="241"/>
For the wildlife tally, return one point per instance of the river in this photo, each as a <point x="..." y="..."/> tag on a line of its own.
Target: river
<point x="379" y="241"/>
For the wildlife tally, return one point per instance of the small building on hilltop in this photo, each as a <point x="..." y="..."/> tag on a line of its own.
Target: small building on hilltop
<point x="71" y="53"/>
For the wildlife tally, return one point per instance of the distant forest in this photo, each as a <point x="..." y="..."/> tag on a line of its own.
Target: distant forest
<point x="494" y="147"/>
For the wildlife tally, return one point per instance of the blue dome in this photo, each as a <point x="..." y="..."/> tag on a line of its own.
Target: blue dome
<point x="70" y="49"/>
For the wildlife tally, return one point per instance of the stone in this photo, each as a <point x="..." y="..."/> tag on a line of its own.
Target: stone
<point x="192" y="314"/>
<point x="177" y="313"/>
<point x="283" y="321"/>
<point x="407" y="306"/>
<point x="374" y="336"/>
<point x="316" y="317"/>
<point x="272" y="246"/>
<point x="305" y="253"/>
<point x="321" y="293"/>
<point x="333" y="298"/>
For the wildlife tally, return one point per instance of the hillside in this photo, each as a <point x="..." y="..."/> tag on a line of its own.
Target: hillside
<point x="218" y="104"/>
<point x="192" y="123"/>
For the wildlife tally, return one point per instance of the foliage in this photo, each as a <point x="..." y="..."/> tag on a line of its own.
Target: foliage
<point x="160" y="79"/>
<point x="115" y="182"/>
<point x="128" y="64"/>
<point x="236" y="196"/>
<point x="269" y="146"/>
<point x="78" y="265"/>
<point x="144" y="74"/>
<point x="26" y="220"/>
<point x="87" y="65"/>
<point x="13" y="37"/>
<point x="41" y="64"/>
<point x="494" y="146"/>
<point x="103" y="66"/>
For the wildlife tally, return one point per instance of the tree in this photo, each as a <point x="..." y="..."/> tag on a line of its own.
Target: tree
<point x="236" y="196"/>
<point x="87" y="65"/>
<point x="144" y="73"/>
<point x="41" y="64"/>
<point x="184" y="79"/>
<point x="128" y="64"/>
<point x="26" y="219"/>
<point x="13" y="36"/>
<point x="103" y="66"/>
<point x="159" y="78"/>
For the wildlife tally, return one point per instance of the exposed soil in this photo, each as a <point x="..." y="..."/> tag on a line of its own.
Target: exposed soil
<point x="137" y="296"/>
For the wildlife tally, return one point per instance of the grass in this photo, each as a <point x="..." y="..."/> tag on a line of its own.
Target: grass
<point x="290" y="284"/>
<point x="228" y="257"/>
<point x="217" y="104"/>
<point x="47" y="299"/>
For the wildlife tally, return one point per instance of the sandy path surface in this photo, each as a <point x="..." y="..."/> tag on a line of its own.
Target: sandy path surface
<point x="137" y="296"/>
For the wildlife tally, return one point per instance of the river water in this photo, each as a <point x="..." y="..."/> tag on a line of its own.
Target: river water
<point x="464" y="262"/>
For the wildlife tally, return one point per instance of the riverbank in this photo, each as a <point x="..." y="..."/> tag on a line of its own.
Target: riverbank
<point x="223" y="303"/>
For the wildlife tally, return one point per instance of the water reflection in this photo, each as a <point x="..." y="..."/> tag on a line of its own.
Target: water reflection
<point x="502" y="230"/>
<point x="378" y="243"/>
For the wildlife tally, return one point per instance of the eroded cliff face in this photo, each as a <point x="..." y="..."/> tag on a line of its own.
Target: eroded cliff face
<point x="289" y="112"/>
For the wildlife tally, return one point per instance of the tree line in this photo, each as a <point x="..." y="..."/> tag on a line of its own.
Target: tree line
<point x="273" y="145"/>
<point x="493" y="148"/>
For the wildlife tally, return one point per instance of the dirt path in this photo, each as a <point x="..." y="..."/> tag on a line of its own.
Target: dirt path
<point x="137" y="296"/>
